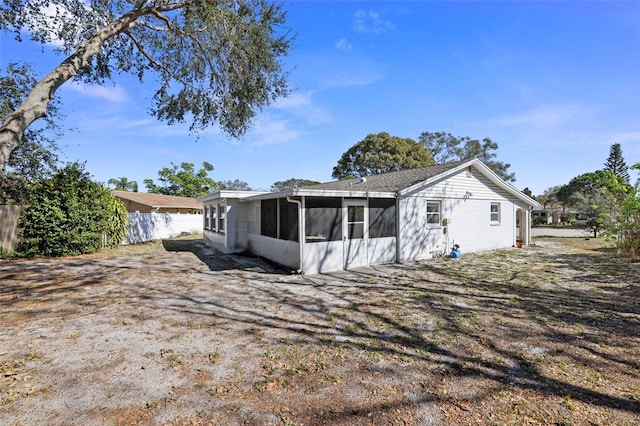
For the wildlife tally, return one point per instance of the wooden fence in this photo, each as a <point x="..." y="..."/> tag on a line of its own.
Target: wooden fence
<point x="9" y="217"/>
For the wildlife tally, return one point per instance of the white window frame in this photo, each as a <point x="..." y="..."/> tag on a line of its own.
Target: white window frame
<point x="213" y="218"/>
<point x="492" y="214"/>
<point x="206" y="217"/>
<point x="438" y="214"/>
<point x="222" y="218"/>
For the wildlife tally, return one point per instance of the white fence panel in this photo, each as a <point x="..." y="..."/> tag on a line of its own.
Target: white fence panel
<point x="156" y="226"/>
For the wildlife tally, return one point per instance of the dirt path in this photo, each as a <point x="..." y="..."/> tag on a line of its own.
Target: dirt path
<point x="175" y="333"/>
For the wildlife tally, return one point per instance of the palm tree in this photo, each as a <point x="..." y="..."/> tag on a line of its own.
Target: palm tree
<point x="124" y="184"/>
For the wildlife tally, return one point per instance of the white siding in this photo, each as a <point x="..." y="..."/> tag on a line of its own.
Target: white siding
<point x="253" y="217"/>
<point x="323" y="257"/>
<point x="236" y="226"/>
<point x="281" y="251"/>
<point x="466" y="201"/>
<point x="381" y="250"/>
<point x="216" y="240"/>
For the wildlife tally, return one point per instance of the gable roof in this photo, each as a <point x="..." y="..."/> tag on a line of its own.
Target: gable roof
<point x="158" y="200"/>
<point x="389" y="185"/>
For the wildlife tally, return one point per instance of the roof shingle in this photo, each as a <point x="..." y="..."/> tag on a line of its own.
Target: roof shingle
<point x="158" y="200"/>
<point x="387" y="182"/>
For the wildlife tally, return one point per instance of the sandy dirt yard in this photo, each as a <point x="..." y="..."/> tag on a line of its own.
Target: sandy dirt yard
<point x="174" y="333"/>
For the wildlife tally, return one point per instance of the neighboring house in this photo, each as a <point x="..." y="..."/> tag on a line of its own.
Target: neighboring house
<point x="557" y="216"/>
<point x="393" y="217"/>
<point x="138" y="202"/>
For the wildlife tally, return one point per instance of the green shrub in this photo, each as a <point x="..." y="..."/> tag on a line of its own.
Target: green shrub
<point x="69" y="214"/>
<point x="627" y="227"/>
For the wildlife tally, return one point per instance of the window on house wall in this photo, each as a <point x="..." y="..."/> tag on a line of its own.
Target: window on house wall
<point x="213" y="218"/>
<point x="288" y="220"/>
<point x="495" y="212"/>
<point x="206" y="217"/>
<point x="269" y="218"/>
<point x="222" y="215"/>
<point x="434" y="211"/>
<point x="382" y="217"/>
<point x="323" y="219"/>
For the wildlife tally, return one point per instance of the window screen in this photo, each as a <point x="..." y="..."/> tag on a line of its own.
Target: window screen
<point x="222" y="215"/>
<point x="288" y="220"/>
<point x="382" y="218"/>
<point x="323" y="219"/>
<point x="269" y="218"/>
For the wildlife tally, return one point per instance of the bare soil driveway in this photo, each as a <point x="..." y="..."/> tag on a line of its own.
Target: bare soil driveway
<point x="174" y="333"/>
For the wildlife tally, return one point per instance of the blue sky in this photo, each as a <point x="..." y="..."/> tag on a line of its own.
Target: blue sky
<point x="553" y="83"/>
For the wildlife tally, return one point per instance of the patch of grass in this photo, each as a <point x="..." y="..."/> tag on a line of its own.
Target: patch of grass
<point x="569" y="404"/>
<point x="214" y="357"/>
<point x="634" y="395"/>
<point x="594" y="377"/>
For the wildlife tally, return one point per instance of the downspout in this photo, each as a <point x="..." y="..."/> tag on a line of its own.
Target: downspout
<point x="300" y="233"/>
<point x="397" y="225"/>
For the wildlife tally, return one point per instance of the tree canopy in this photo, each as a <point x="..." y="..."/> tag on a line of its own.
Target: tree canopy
<point x="286" y="185"/>
<point x="183" y="181"/>
<point x="124" y="184"/>
<point x="615" y="162"/>
<point x="381" y="153"/>
<point x="37" y="156"/>
<point x="233" y="185"/>
<point x="215" y="62"/>
<point x="599" y="195"/>
<point x="444" y="147"/>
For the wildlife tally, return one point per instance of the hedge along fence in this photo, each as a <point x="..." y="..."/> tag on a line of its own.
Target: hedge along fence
<point x="142" y="226"/>
<point x="9" y="218"/>
<point x="156" y="226"/>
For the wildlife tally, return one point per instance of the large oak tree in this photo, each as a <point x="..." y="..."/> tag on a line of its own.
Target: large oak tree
<point x="381" y="153"/>
<point x="214" y="61"/>
<point x="444" y="147"/>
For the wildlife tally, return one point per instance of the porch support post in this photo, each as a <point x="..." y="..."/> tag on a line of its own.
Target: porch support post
<point x="398" y="239"/>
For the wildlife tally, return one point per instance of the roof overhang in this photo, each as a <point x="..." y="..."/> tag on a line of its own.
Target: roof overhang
<point x="307" y="192"/>
<point x="223" y="193"/>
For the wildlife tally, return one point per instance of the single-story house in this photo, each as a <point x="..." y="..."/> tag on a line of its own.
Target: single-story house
<point x="393" y="217"/>
<point x="139" y="202"/>
<point x="558" y="216"/>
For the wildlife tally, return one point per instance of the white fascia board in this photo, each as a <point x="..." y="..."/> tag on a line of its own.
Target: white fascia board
<point x="306" y="192"/>
<point x="223" y="193"/>
<point x="343" y="194"/>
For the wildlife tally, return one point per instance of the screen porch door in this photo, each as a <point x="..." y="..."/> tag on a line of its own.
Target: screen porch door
<point x="355" y="233"/>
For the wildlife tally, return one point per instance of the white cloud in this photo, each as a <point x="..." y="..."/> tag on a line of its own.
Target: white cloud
<point x="269" y="131"/>
<point x="111" y="94"/>
<point x="548" y="116"/>
<point x="343" y="45"/>
<point x="301" y="105"/>
<point x="54" y="19"/>
<point x="294" y="100"/>
<point x="371" y="22"/>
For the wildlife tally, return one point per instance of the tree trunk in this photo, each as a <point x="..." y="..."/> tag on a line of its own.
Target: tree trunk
<point x="35" y="106"/>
